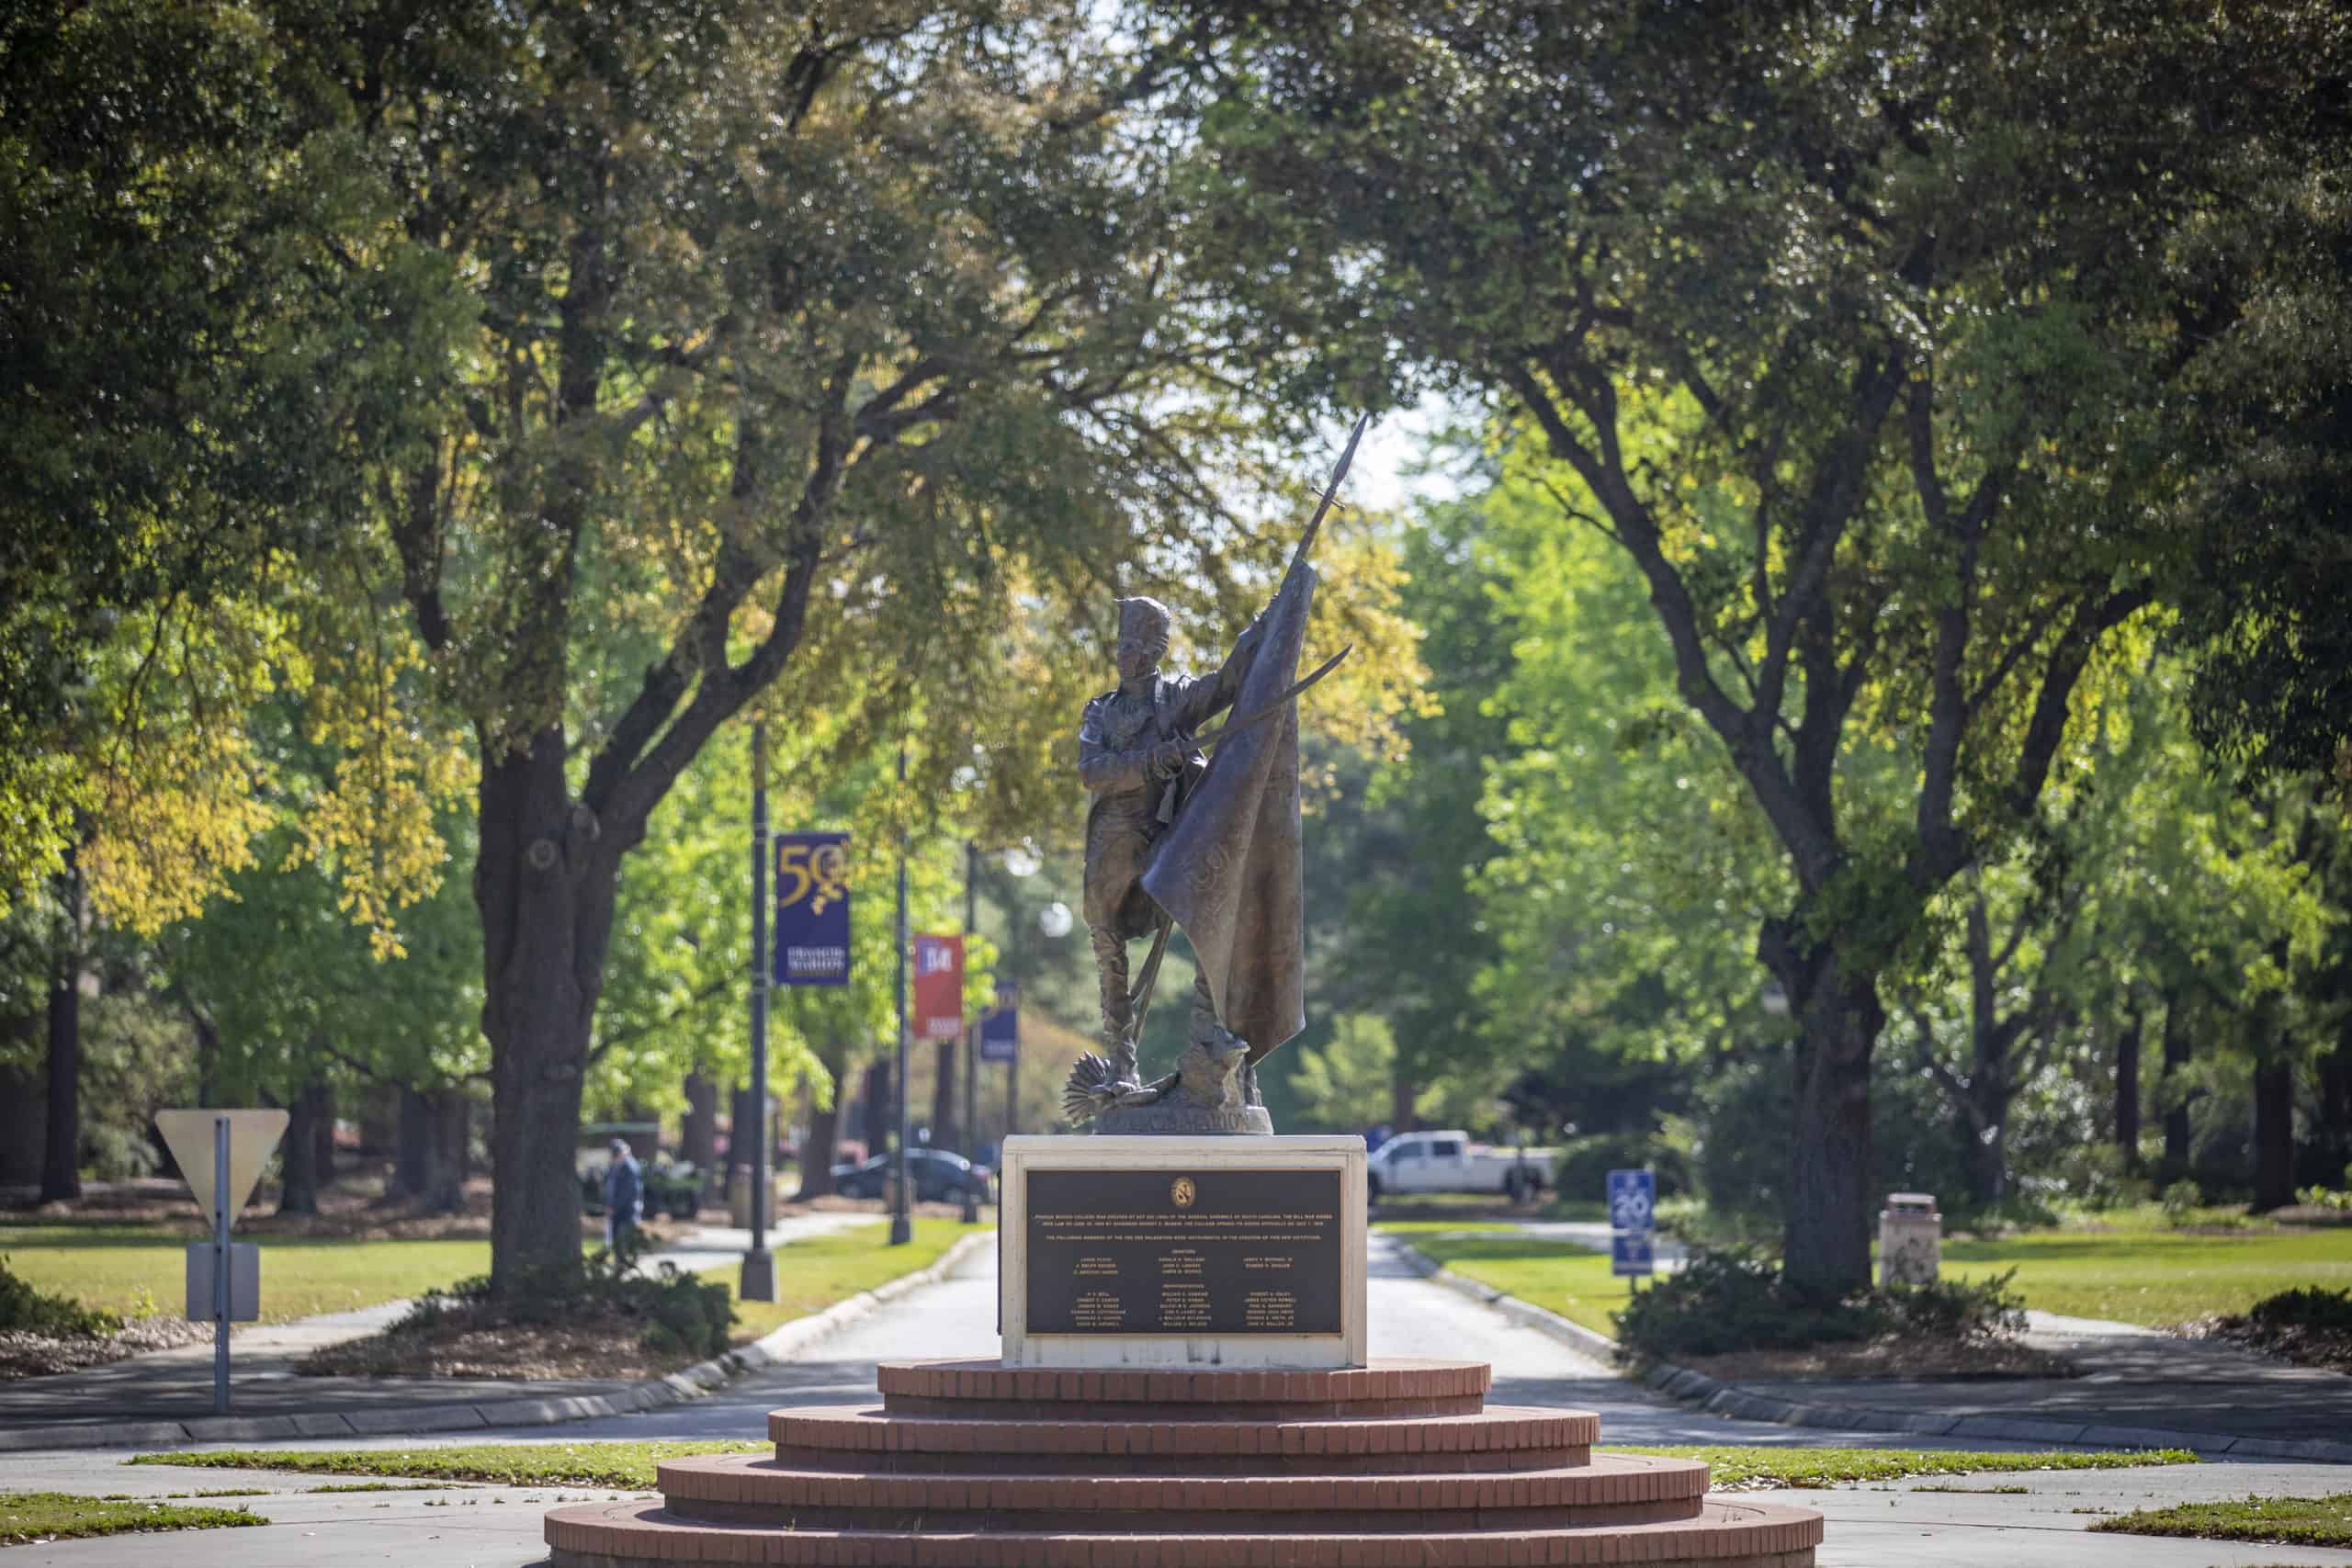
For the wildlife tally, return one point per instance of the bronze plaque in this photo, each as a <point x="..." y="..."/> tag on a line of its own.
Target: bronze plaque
<point x="1183" y="1252"/>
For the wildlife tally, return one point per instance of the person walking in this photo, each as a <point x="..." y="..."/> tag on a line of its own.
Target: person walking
<point x="623" y="1194"/>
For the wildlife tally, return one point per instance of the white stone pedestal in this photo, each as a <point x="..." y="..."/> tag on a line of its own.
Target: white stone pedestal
<point x="1175" y="1251"/>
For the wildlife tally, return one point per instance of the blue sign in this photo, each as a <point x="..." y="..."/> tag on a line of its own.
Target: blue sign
<point x="1001" y="1026"/>
<point x="1632" y="1200"/>
<point x="812" y="908"/>
<point x="1631" y="1253"/>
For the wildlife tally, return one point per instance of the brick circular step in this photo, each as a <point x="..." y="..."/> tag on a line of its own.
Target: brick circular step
<point x="1614" y="1489"/>
<point x="641" y="1535"/>
<point x="1391" y="1386"/>
<point x="830" y="1438"/>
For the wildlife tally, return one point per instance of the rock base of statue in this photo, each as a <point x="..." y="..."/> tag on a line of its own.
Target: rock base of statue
<point x="967" y="1464"/>
<point x="1173" y="1117"/>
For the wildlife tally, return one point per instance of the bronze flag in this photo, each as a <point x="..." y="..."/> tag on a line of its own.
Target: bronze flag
<point x="1229" y="869"/>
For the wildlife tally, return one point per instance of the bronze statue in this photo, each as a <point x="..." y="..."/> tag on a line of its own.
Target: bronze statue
<point x="1176" y="837"/>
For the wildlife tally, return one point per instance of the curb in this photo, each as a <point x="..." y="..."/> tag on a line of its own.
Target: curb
<point x="1699" y="1391"/>
<point x="628" y="1398"/>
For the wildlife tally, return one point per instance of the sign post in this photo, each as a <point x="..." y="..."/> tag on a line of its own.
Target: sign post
<point x="1632" y="1222"/>
<point x="221" y="1155"/>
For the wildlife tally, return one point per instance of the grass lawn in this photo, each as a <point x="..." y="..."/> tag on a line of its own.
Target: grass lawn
<point x="812" y="1274"/>
<point x="1572" y="1280"/>
<point x="2133" y="1273"/>
<point x="2280" y="1521"/>
<point x="629" y="1467"/>
<point x="2155" y="1278"/>
<point x="126" y="1267"/>
<point x="29" y="1517"/>
<point x="625" y="1467"/>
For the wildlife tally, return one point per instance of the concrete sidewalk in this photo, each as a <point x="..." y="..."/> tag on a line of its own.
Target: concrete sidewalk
<point x="166" y="1397"/>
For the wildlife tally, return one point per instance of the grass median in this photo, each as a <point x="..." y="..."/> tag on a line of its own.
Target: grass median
<point x="27" y="1518"/>
<point x="2271" y="1521"/>
<point x="818" y="1273"/>
<point x="1559" y="1276"/>
<point x="630" y="1467"/>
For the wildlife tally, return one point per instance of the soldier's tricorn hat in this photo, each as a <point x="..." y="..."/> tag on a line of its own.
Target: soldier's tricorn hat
<point x="1143" y="621"/>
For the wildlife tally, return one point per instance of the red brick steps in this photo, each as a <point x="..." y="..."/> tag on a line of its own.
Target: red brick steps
<point x="973" y="1465"/>
<point x="644" y="1535"/>
<point x="830" y="1438"/>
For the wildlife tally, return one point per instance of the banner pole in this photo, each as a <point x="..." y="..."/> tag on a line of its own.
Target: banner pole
<point x="758" y="1279"/>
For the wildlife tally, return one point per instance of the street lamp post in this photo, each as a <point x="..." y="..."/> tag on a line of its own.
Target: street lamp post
<point x="902" y="1227"/>
<point x="758" y="1280"/>
<point x="971" y="1030"/>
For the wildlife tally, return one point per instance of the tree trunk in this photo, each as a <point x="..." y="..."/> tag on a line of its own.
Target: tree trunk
<point x="1827" y="1234"/>
<point x="1985" y="1155"/>
<point x="61" y="1175"/>
<point x="2175" y="1092"/>
<point x="2127" y="1092"/>
<point x="2273" y="1137"/>
<point x="878" y="1108"/>
<point x="2335" y="1132"/>
<point x="545" y="884"/>
<point x="411" y="1151"/>
<point x="323" y="1133"/>
<point x="444" y="1164"/>
<point x="1401" y="1096"/>
<point x="698" y="1135"/>
<point x="942" y="1099"/>
<point x="297" y="1192"/>
<point x="824" y="1132"/>
<point x="24" y="1104"/>
<point x="742" y="1132"/>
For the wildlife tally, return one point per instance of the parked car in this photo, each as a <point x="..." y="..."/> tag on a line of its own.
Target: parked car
<point x="940" y="1176"/>
<point x="1449" y="1162"/>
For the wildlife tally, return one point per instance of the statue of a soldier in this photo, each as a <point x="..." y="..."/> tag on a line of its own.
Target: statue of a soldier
<point x="1137" y="757"/>
<point x="1177" y="836"/>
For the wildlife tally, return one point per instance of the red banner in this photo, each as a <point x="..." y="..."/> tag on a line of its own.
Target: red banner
<point x="939" y="988"/>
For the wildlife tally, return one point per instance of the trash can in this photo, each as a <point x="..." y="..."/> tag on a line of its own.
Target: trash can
<point x="1910" y="1239"/>
<point x="739" y="1198"/>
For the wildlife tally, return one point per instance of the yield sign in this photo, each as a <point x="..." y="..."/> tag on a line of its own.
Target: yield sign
<point x="251" y="1135"/>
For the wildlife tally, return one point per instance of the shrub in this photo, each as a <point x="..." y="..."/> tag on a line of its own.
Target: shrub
<point x="2308" y="1308"/>
<point x="677" y="1314"/>
<point x="26" y="1310"/>
<point x="1734" y="1300"/>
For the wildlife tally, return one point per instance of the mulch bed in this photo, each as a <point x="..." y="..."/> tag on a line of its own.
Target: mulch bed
<point x="456" y="1348"/>
<point x="39" y="1355"/>
<point x="2329" y="1350"/>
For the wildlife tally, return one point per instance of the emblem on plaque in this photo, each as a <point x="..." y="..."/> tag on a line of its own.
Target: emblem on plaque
<point x="1181" y="1193"/>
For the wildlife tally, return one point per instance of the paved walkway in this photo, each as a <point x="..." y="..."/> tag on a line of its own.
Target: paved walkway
<point x="165" y="1396"/>
<point x="1950" y="1523"/>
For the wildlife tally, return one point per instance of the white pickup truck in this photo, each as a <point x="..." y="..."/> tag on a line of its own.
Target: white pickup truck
<point x="1449" y="1162"/>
